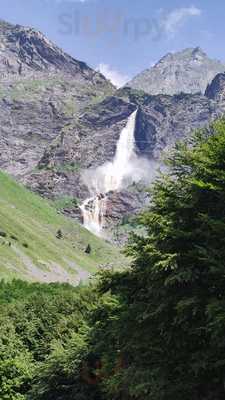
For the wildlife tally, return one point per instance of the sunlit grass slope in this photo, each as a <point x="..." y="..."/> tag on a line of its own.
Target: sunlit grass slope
<point x="29" y="247"/>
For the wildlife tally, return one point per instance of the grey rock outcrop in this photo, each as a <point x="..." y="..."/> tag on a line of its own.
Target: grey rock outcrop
<point x="88" y="142"/>
<point x="216" y="90"/>
<point x="91" y="140"/>
<point x="25" y="51"/>
<point x="42" y="88"/>
<point x="187" y="71"/>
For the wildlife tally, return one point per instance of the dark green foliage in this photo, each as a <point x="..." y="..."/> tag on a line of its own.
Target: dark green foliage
<point x="59" y="234"/>
<point x="172" y="325"/>
<point x="3" y="234"/>
<point x="13" y="237"/>
<point x="61" y="377"/>
<point x="38" y="323"/>
<point x="152" y="332"/>
<point x="88" y="249"/>
<point x="65" y="202"/>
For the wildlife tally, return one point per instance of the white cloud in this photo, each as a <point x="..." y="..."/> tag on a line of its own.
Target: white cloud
<point x="114" y="76"/>
<point x="172" y="21"/>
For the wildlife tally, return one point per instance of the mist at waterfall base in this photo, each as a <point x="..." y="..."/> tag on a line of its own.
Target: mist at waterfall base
<point x="110" y="177"/>
<point x="125" y="169"/>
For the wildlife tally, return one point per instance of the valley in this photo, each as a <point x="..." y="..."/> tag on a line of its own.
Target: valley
<point x="65" y="129"/>
<point x="112" y="205"/>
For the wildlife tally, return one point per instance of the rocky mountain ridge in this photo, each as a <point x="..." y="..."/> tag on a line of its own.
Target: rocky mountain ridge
<point x="187" y="71"/>
<point x="41" y="89"/>
<point x="67" y="119"/>
<point x="26" y="51"/>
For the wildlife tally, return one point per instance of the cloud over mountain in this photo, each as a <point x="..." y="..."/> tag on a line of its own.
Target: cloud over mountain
<point x="174" y="20"/>
<point x="113" y="75"/>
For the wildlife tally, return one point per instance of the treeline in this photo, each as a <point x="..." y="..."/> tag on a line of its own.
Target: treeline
<point x="155" y="331"/>
<point x="36" y="323"/>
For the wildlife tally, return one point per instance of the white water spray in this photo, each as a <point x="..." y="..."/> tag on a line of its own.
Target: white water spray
<point x="111" y="176"/>
<point x="93" y="210"/>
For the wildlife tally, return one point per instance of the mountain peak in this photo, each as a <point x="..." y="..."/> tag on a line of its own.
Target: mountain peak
<point x="198" y="50"/>
<point x="188" y="52"/>
<point x="24" y="50"/>
<point x="189" y="71"/>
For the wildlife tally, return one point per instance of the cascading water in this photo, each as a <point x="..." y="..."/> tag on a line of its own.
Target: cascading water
<point x="93" y="210"/>
<point x="112" y="176"/>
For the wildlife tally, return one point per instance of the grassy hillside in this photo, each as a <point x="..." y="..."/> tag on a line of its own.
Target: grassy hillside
<point x="29" y="247"/>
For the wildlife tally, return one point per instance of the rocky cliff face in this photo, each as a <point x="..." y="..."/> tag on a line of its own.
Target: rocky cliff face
<point x="25" y="51"/>
<point x="41" y="89"/>
<point x="164" y="120"/>
<point x="216" y="90"/>
<point x="59" y="118"/>
<point x="91" y="140"/>
<point x="84" y="143"/>
<point x="188" y="71"/>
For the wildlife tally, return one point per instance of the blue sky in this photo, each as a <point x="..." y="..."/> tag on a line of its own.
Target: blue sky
<point x="123" y="37"/>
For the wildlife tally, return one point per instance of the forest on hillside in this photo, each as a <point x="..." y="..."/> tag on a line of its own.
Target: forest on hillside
<point x="154" y="331"/>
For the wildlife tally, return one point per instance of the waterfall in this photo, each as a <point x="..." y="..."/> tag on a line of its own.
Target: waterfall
<point x="93" y="210"/>
<point x="119" y="170"/>
<point x="111" y="176"/>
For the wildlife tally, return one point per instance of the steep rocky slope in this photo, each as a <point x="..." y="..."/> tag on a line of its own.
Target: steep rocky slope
<point x="188" y="71"/>
<point x="161" y="121"/>
<point x="91" y="140"/>
<point x="86" y="143"/>
<point x="216" y="90"/>
<point x="25" y="51"/>
<point x="41" y="89"/>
